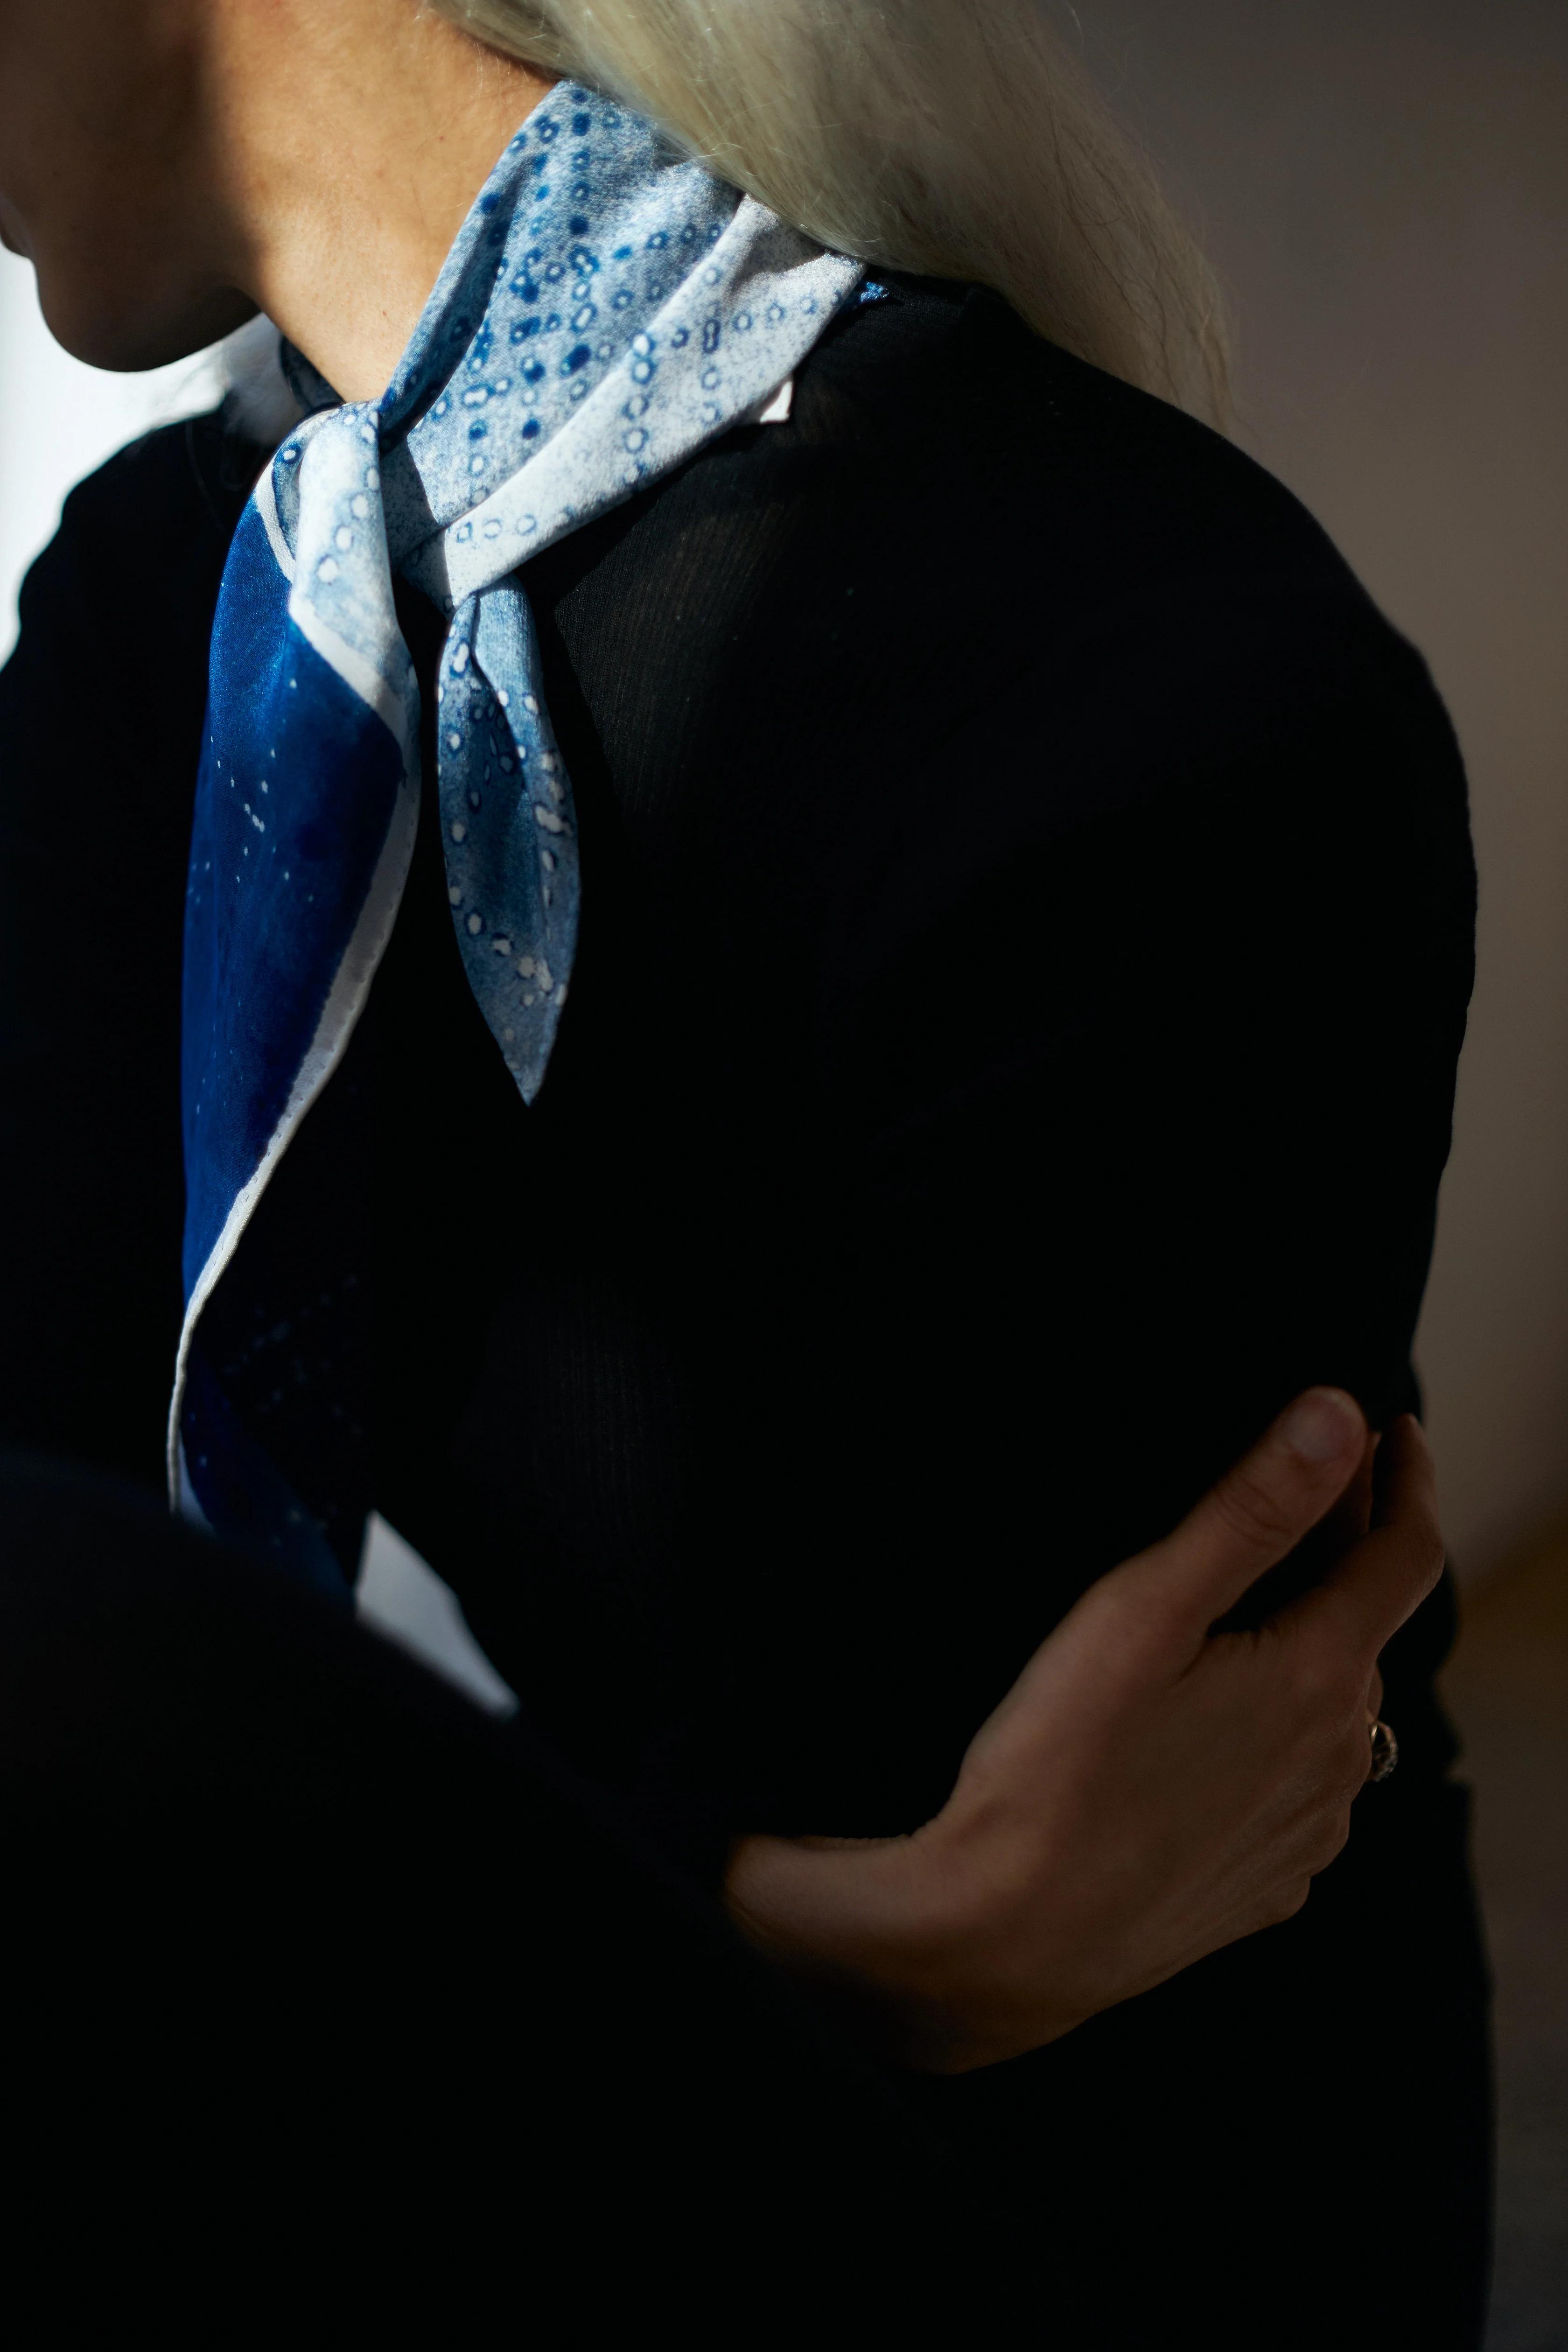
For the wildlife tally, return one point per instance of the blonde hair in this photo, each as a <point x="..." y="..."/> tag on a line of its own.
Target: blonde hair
<point x="954" y="138"/>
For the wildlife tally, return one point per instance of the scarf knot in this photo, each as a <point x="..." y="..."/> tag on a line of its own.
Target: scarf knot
<point x="608" y="308"/>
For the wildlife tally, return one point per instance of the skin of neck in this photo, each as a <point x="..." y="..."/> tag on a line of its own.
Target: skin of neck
<point x="171" y="166"/>
<point x="349" y="139"/>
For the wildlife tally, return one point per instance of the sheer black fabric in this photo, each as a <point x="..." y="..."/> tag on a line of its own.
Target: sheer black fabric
<point x="1071" y="876"/>
<point x="335" y="2005"/>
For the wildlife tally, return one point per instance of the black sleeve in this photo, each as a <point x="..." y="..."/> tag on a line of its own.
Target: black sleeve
<point x="100" y="715"/>
<point x="1151" y="1060"/>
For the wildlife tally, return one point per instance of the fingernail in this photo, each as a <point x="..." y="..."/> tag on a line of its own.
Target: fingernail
<point x="1322" y="1425"/>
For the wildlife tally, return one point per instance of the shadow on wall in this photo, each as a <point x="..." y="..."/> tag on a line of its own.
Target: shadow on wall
<point x="1385" y="190"/>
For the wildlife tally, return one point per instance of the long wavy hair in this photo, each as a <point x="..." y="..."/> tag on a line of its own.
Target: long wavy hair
<point x="956" y="138"/>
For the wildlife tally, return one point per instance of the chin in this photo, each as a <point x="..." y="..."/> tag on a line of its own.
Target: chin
<point x="12" y="235"/>
<point x="127" y="337"/>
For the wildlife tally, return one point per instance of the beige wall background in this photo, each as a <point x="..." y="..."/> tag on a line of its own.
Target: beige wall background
<point x="1384" y="185"/>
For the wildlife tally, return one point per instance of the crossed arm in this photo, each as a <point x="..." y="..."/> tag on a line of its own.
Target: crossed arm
<point x="1155" y="1785"/>
<point x="1138" y="1185"/>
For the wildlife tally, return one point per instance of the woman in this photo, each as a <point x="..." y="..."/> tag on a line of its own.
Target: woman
<point x="912" y="1010"/>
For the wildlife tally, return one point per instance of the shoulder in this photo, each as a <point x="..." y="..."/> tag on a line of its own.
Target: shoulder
<point x="1033" y="505"/>
<point x="1078" y="643"/>
<point x="185" y="482"/>
<point x="119" y="607"/>
<point x="1107" y="600"/>
<point x="139" y="548"/>
<point x="959" y="517"/>
<point x="987" y="432"/>
<point x="977" y="560"/>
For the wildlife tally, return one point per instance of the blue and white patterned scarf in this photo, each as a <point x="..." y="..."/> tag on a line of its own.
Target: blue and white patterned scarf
<point x="608" y="308"/>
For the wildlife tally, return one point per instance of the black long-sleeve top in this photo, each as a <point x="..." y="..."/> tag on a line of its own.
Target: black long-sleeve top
<point x="1027" y="935"/>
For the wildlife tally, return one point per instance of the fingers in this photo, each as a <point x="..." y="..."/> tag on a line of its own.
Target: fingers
<point x="1352" y="1515"/>
<point x="1407" y="1476"/>
<point x="1384" y="1578"/>
<point x="1260" y="1510"/>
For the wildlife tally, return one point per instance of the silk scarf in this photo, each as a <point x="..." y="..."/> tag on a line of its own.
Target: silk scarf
<point x="608" y="308"/>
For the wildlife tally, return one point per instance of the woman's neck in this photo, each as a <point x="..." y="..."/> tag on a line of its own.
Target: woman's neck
<point x="348" y="143"/>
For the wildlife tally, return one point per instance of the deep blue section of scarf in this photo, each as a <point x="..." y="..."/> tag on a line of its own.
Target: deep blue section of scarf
<point x="254" y="994"/>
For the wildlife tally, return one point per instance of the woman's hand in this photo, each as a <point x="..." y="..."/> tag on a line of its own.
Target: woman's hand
<point x="1151" y="1788"/>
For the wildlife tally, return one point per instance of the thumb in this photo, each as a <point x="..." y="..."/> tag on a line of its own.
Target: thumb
<point x="1259" y="1511"/>
<point x="1382" y="1580"/>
